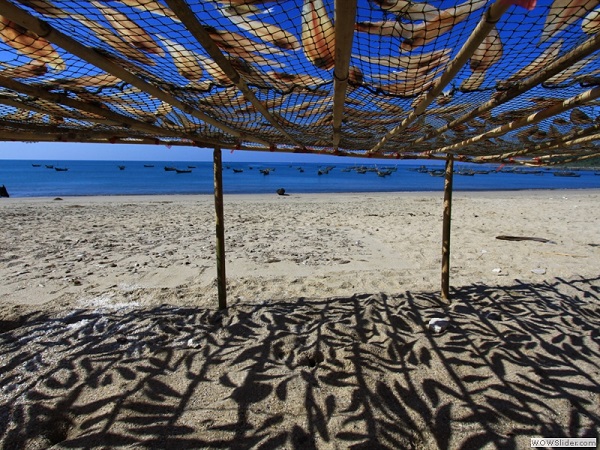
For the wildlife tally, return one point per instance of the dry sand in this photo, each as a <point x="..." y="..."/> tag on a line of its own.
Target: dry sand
<point x="110" y="337"/>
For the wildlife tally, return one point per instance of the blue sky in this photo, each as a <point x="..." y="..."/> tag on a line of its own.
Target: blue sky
<point x="122" y="152"/>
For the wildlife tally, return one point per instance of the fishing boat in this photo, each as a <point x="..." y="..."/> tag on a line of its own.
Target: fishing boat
<point x="148" y="165"/>
<point x="191" y="167"/>
<point x="566" y="173"/>
<point x="437" y="172"/>
<point x="170" y="169"/>
<point x="183" y="170"/>
<point x="61" y="169"/>
<point x="49" y="166"/>
<point x="238" y="170"/>
<point x="36" y="165"/>
<point x="121" y="167"/>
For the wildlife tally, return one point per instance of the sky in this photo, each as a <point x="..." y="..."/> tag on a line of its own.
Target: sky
<point x="67" y="151"/>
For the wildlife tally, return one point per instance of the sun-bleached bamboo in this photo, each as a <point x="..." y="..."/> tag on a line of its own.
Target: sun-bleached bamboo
<point x="589" y="133"/>
<point x="187" y="17"/>
<point x="345" y="18"/>
<point x="483" y="28"/>
<point x="29" y="22"/>
<point x="219" y="228"/>
<point x="581" y="51"/>
<point x="570" y="103"/>
<point x="446" y="227"/>
<point x="102" y="113"/>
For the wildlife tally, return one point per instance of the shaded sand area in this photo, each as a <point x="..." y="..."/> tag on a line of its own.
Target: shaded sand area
<point x="110" y="335"/>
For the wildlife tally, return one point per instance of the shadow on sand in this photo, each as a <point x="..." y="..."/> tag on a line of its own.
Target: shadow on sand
<point x="362" y="372"/>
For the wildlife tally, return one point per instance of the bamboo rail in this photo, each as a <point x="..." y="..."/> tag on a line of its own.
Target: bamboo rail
<point x="483" y="28"/>
<point x="446" y="227"/>
<point x="570" y="103"/>
<point x="219" y="228"/>
<point x="188" y="18"/>
<point x="555" y="67"/>
<point x="345" y="17"/>
<point x="90" y="55"/>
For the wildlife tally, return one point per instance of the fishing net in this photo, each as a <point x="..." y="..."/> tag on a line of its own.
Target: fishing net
<point x="483" y="80"/>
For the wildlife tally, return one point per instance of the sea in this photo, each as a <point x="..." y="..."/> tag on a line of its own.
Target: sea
<point x="27" y="178"/>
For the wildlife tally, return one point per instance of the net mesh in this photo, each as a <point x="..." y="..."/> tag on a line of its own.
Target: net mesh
<point x="264" y="75"/>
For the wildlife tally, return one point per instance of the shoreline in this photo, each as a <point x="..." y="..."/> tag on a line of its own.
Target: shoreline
<point x="432" y="193"/>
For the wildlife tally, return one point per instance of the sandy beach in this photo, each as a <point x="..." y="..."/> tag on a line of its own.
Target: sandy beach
<point x="110" y="335"/>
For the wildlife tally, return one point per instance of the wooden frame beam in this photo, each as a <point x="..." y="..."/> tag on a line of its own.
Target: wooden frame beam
<point x="219" y="228"/>
<point x="188" y="18"/>
<point x="483" y="28"/>
<point x="42" y="28"/>
<point x="446" y="227"/>
<point x="587" y="48"/>
<point x="567" y="104"/>
<point x="345" y="18"/>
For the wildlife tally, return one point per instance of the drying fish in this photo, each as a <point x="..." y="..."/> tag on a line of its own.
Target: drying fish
<point x="129" y="30"/>
<point x="560" y="121"/>
<point x="407" y="75"/>
<point x="487" y="53"/>
<point x="443" y="22"/>
<point x="88" y="81"/>
<point x="298" y="79"/>
<point x="30" y="70"/>
<point x="473" y="82"/>
<point x="563" y="13"/>
<point x="411" y="87"/>
<point x="46" y="8"/>
<point x="591" y="23"/>
<point x="393" y="28"/>
<point x="265" y="31"/>
<point x="18" y="115"/>
<point x="229" y="41"/>
<point x="151" y="6"/>
<point x="185" y="61"/>
<point x="553" y="132"/>
<point x="248" y="56"/>
<point x="485" y="56"/>
<point x="318" y="35"/>
<point x="545" y="58"/>
<point x="426" y="61"/>
<point x="568" y="73"/>
<point x="30" y="44"/>
<point x="114" y="41"/>
<point x="578" y="117"/>
<point x="413" y="11"/>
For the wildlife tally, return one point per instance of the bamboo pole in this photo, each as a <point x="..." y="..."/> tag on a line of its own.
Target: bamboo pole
<point x="220" y="228"/>
<point x="446" y="227"/>
<point x="483" y="28"/>
<point x="345" y="17"/>
<point x="102" y="113"/>
<point x="570" y="103"/>
<point x="555" y="67"/>
<point x="188" y="18"/>
<point x="42" y="28"/>
<point x="587" y="135"/>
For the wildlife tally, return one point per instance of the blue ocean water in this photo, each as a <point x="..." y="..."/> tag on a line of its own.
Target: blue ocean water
<point x="85" y="178"/>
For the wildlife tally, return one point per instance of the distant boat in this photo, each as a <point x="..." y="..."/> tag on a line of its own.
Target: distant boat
<point x="238" y="170"/>
<point x="148" y="165"/>
<point x="437" y="172"/>
<point x="61" y="169"/>
<point x="121" y="167"/>
<point x="183" y="170"/>
<point x="566" y="173"/>
<point x="49" y="166"/>
<point x="36" y="165"/>
<point x="191" y="167"/>
<point x="170" y="169"/>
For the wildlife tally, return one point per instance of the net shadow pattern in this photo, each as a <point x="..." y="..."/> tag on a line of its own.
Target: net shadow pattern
<point x="364" y="372"/>
<point x="262" y="75"/>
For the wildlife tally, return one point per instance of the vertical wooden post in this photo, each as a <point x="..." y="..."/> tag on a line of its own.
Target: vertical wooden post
<point x="446" y="227"/>
<point x="220" y="228"/>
